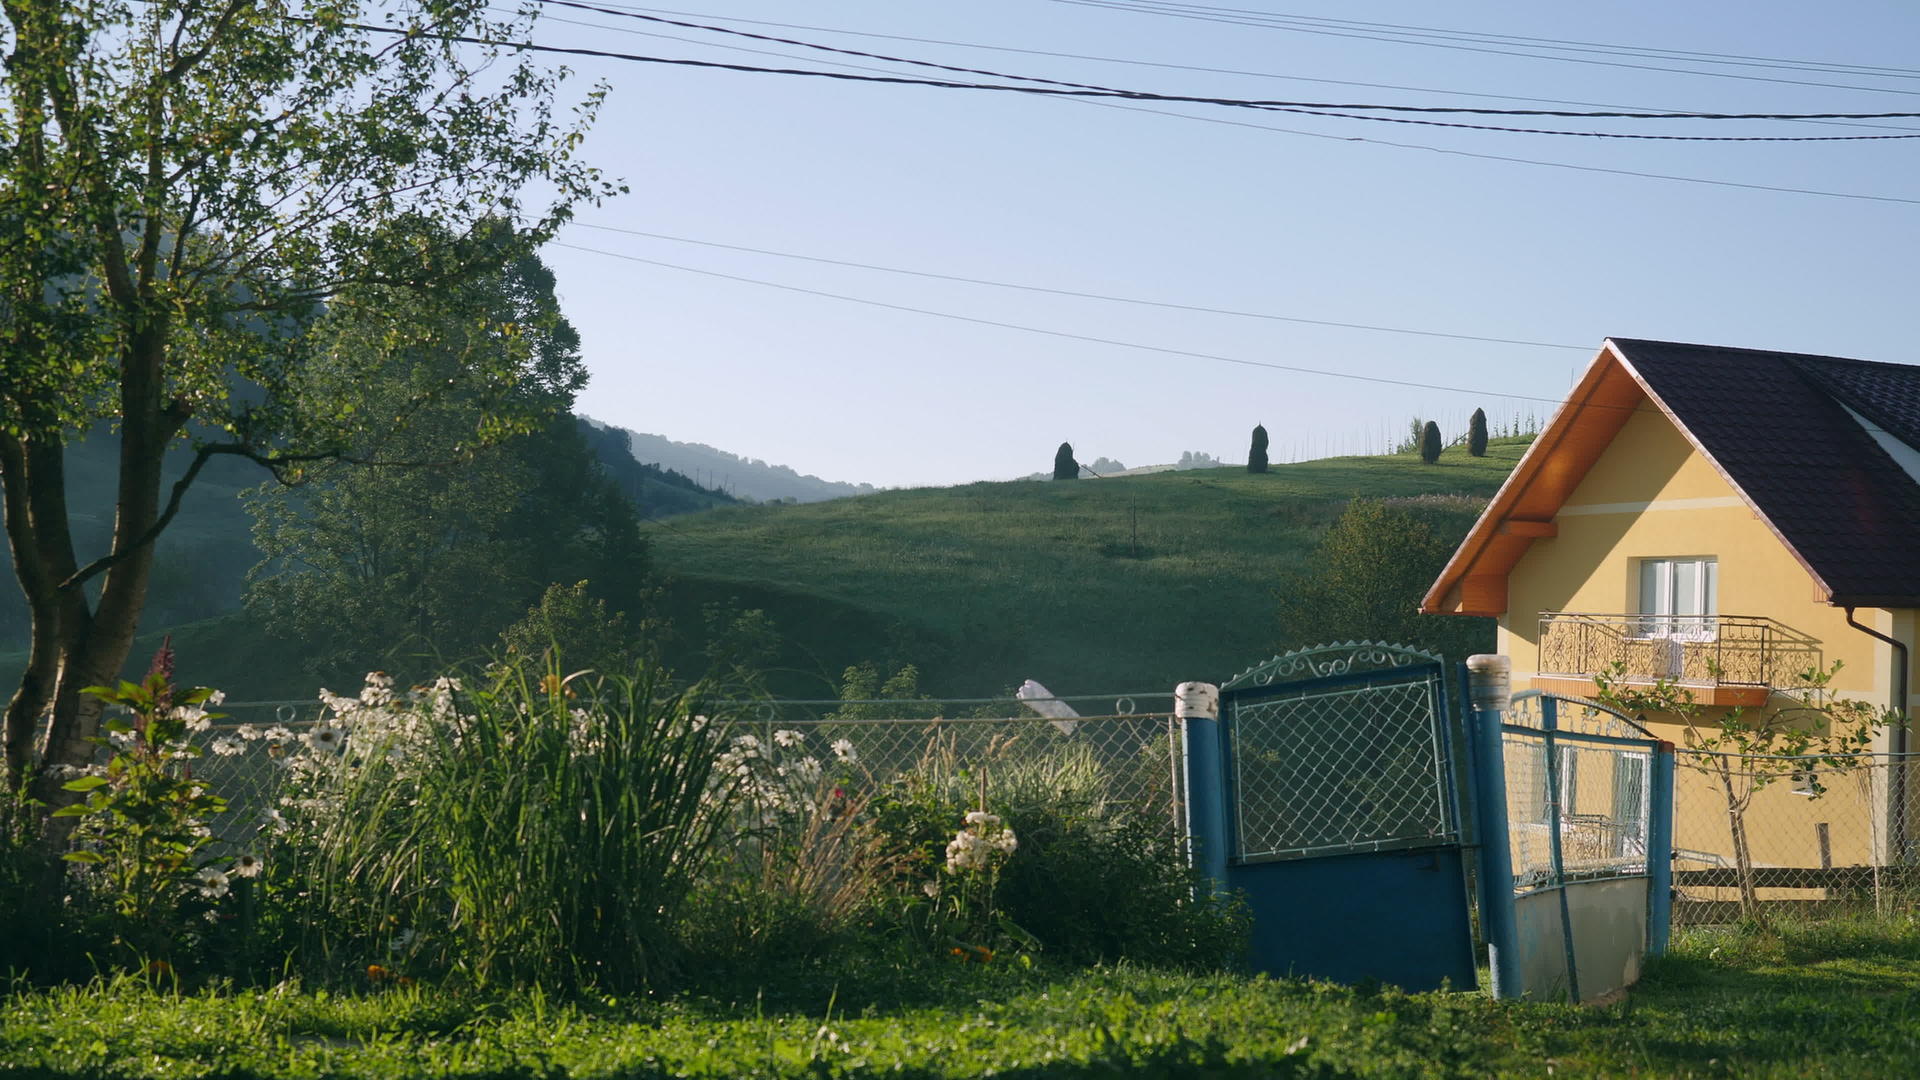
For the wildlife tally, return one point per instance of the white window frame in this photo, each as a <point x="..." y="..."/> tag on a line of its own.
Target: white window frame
<point x="1674" y="617"/>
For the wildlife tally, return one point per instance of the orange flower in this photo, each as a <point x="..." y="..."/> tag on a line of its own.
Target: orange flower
<point x="377" y="973"/>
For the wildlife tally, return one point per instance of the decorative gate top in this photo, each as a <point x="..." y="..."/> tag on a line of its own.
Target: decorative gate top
<point x="1321" y="661"/>
<point x="1574" y="714"/>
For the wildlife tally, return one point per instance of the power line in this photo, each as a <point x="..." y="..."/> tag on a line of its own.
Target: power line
<point x="1612" y="48"/>
<point x="1080" y="295"/>
<point x="1240" y="361"/>
<point x="1603" y="170"/>
<point x="1306" y="108"/>
<point x="1136" y="62"/>
<point x="1507" y="158"/>
<point x="1271" y="25"/>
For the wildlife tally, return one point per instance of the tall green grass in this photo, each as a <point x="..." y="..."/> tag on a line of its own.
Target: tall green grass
<point x="538" y="831"/>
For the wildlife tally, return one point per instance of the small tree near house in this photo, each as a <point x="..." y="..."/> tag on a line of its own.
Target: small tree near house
<point x="1064" y="467"/>
<point x="1477" y="434"/>
<point x="1257" y="453"/>
<point x="1430" y="443"/>
<point x="1743" y="751"/>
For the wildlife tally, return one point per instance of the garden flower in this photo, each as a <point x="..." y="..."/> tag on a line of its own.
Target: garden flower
<point x="211" y="883"/>
<point x="981" y="817"/>
<point x="228" y="746"/>
<point x="843" y="749"/>
<point x="247" y="865"/>
<point x="788" y="737"/>
<point x="247" y="731"/>
<point x="275" y="821"/>
<point x="278" y="733"/>
<point x="326" y="738"/>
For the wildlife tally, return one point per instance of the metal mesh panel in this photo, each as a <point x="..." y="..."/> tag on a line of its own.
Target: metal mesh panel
<point x="1819" y="834"/>
<point x="1355" y="767"/>
<point x="1597" y="793"/>
<point x="1601" y="796"/>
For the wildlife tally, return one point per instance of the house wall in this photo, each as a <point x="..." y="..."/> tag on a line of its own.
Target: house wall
<point x="1650" y="495"/>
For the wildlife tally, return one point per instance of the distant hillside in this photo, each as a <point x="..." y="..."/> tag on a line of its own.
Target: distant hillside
<point x="1127" y="584"/>
<point x="658" y="492"/>
<point x="1132" y="583"/>
<point x="742" y="478"/>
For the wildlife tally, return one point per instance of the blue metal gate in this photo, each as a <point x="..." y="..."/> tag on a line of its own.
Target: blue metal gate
<point x="1338" y="816"/>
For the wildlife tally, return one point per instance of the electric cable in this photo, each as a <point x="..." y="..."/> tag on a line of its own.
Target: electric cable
<point x="1088" y="338"/>
<point x="1103" y="5"/>
<point x="1169" y="305"/>
<point x="1135" y="62"/>
<point x="1307" y="108"/>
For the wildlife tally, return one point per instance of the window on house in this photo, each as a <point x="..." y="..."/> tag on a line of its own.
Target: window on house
<point x="1679" y="598"/>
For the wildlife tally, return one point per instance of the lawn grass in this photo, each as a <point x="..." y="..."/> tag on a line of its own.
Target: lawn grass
<point x="1121" y="584"/>
<point x="1839" y="999"/>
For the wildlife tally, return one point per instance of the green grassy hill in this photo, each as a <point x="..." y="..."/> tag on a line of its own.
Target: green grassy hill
<point x="1122" y="584"/>
<point x="1094" y="586"/>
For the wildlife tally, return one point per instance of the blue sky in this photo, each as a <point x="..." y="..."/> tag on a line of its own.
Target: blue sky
<point x="1303" y="222"/>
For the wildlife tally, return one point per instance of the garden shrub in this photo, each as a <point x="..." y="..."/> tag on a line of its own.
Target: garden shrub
<point x="1094" y="879"/>
<point x="534" y="828"/>
<point x="803" y="868"/>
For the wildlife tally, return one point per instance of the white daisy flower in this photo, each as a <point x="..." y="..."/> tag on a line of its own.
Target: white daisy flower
<point x="326" y="739"/>
<point x="788" y="737"/>
<point x="248" y="865"/>
<point x="228" y="746"/>
<point x="274" y="821"/>
<point x="843" y="749"/>
<point x="278" y="733"/>
<point x="248" y="732"/>
<point x="212" y="883"/>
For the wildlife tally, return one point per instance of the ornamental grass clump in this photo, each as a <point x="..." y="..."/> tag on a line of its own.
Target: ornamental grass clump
<point x="534" y="828"/>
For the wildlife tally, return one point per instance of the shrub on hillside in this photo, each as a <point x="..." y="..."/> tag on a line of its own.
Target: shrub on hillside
<point x="1257" y="452"/>
<point x="1477" y="433"/>
<point x="1064" y="467"/>
<point x="1430" y="443"/>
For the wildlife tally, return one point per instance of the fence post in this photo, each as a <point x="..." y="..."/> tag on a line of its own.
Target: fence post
<point x="1197" y="705"/>
<point x="1660" y="849"/>
<point x="1489" y="681"/>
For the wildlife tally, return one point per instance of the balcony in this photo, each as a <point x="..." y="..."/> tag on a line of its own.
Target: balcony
<point x="1723" y="659"/>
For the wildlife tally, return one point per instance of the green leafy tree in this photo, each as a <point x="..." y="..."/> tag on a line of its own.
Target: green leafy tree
<point x="1477" y="433"/>
<point x="1804" y="734"/>
<point x="184" y="186"/>
<point x="1430" y="443"/>
<point x="1064" y="467"/>
<point x="1257" y="453"/>
<point x="393" y="567"/>
<point x="1365" y="580"/>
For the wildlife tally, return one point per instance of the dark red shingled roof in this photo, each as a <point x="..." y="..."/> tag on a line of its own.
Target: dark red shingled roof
<point x="1774" y="424"/>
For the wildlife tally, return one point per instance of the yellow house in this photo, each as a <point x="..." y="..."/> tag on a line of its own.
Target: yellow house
<point x="1726" y="519"/>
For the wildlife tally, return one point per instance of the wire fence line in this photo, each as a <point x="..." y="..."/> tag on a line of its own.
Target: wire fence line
<point x="1126" y="762"/>
<point x="1821" y="834"/>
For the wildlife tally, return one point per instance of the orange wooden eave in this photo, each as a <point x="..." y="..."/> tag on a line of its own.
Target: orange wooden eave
<point x="1474" y="581"/>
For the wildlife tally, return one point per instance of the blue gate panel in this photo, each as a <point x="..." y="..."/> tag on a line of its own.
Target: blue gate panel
<point x="1398" y="916"/>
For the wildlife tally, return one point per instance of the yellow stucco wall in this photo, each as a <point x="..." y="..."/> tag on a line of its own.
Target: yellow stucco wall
<point x="1652" y="495"/>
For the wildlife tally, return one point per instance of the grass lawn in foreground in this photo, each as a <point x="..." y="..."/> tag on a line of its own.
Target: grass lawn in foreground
<point x="1839" y="1000"/>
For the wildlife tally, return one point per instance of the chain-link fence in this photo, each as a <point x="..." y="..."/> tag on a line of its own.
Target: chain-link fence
<point x="1815" y="835"/>
<point x="1126" y="759"/>
<point x="1578" y="804"/>
<point x="1355" y="764"/>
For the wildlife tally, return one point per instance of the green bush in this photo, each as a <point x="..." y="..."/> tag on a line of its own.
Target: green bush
<point x="1093" y="879"/>
<point x="529" y="830"/>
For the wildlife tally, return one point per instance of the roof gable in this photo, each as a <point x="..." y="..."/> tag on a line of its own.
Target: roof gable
<point x="1777" y="428"/>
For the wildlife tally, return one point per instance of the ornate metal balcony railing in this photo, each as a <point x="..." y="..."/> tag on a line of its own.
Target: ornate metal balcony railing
<point x="1693" y="650"/>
